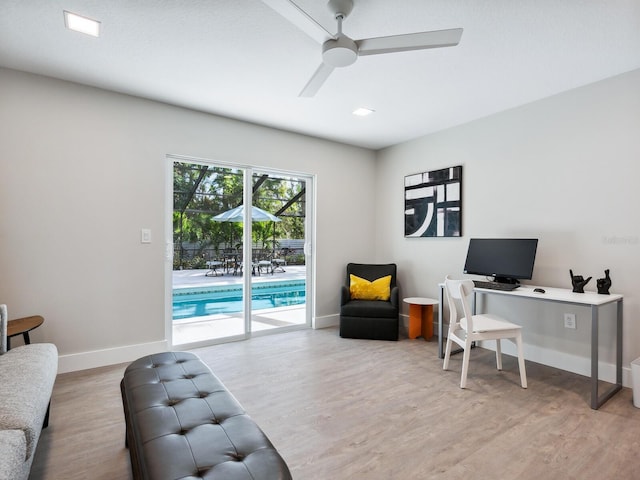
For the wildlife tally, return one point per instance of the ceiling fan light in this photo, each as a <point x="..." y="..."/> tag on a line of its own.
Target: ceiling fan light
<point x="340" y="52"/>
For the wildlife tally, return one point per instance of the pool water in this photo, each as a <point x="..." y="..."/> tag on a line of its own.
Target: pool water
<point x="211" y="300"/>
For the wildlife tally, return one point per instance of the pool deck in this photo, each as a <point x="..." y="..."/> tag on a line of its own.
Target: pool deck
<point x="194" y="278"/>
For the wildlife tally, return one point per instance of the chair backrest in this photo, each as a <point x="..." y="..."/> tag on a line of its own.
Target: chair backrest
<point x="459" y="293"/>
<point x="371" y="271"/>
<point x="3" y="329"/>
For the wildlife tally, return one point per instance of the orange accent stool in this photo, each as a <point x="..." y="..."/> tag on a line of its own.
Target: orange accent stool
<point x="420" y="317"/>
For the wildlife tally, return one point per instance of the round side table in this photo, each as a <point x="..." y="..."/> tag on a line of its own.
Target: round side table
<point x="22" y="326"/>
<point x="420" y="316"/>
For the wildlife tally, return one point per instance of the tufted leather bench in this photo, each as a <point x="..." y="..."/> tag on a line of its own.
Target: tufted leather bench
<point x="182" y="423"/>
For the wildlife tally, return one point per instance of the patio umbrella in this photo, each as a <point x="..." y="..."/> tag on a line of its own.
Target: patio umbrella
<point x="237" y="215"/>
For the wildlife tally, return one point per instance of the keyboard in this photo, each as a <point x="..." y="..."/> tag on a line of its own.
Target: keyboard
<point x="506" y="287"/>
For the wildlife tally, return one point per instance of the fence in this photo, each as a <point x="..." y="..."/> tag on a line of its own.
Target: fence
<point x="194" y="255"/>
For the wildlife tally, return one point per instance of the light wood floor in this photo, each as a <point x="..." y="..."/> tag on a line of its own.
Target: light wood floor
<point x="358" y="409"/>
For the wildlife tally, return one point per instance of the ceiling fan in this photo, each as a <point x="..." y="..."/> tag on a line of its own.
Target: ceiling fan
<point x="338" y="50"/>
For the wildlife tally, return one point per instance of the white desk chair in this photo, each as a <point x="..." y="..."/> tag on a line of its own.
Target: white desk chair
<point x="471" y="328"/>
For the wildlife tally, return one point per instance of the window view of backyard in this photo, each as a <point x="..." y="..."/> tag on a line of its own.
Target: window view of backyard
<point x="208" y="258"/>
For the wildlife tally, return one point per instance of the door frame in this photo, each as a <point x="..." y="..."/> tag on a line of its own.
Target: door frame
<point x="309" y="251"/>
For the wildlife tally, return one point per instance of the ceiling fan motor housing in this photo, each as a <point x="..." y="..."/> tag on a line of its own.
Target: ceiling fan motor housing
<point x="340" y="52"/>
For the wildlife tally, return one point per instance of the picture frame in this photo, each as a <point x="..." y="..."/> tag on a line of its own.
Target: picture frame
<point x="433" y="203"/>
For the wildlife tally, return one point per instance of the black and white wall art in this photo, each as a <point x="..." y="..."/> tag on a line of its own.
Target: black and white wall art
<point x="433" y="203"/>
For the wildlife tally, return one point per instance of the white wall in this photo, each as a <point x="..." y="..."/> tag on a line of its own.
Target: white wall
<point x="82" y="170"/>
<point x="565" y="170"/>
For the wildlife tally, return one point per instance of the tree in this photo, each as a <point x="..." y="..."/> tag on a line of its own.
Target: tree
<point x="203" y="191"/>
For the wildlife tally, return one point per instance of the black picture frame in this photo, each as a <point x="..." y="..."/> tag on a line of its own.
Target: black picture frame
<point x="433" y="203"/>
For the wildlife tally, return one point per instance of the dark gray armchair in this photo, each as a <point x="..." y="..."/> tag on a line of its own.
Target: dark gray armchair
<point x="370" y="319"/>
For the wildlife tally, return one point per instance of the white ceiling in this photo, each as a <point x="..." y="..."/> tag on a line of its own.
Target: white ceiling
<point x="241" y="59"/>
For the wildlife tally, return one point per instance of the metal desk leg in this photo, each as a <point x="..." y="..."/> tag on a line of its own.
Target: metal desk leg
<point x="440" y="309"/>
<point x="619" y="344"/>
<point x="596" y="401"/>
<point x="594" y="357"/>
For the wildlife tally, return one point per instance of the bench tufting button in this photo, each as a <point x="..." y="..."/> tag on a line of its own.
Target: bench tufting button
<point x="203" y="394"/>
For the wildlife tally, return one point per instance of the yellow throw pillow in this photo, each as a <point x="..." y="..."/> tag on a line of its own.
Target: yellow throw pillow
<point x="362" y="289"/>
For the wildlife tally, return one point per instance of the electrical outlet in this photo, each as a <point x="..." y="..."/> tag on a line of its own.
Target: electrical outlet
<point x="570" y="320"/>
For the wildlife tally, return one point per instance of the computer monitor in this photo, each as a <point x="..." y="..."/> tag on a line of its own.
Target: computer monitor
<point x="505" y="259"/>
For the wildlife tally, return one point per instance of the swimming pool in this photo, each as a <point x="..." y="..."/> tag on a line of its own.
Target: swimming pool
<point x="211" y="300"/>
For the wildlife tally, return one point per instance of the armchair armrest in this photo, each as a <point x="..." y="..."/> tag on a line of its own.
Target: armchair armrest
<point x="345" y="295"/>
<point x="394" y="298"/>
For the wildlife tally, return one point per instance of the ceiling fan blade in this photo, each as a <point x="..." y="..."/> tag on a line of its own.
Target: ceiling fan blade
<point x="316" y="81"/>
<point x="292" y="12"/>
<point x="410" y="41"/>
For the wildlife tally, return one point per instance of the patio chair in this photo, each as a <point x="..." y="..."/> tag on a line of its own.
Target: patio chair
<point x="264" y="266"/>
<point x="215" y="268"/>
<point x="279" y="264"/>
<point x="279" y="261"/>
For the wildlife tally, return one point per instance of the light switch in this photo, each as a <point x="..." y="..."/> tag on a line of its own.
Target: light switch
<point x="145" y="235"/>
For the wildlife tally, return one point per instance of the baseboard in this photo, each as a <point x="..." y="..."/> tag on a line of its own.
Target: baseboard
<point x="564" y="361"/>
<point x="326" y="321"/>
<point x="110" y="356"/>
<point x="404" y="324"/>
<point x="558" y="359"/>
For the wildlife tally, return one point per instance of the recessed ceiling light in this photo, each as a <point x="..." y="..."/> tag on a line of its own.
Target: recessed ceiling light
<point x="81" y="24"/>
<point x="362" y="111"/>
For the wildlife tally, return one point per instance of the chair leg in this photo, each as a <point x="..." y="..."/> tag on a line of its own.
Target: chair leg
<point x="447" y="354"/>
<point x="498" y="354"/>
<point x="465" y="365"/>
<point x="523" y="372"/>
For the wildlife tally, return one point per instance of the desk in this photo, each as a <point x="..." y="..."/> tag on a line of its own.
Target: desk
<point x="22" y="326"/>
<point x="566" y="296"/>
<point x="420" y="316"/>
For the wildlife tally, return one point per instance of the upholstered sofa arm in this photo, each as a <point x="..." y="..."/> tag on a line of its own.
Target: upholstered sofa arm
<point x="27" y="375"/>
<point x="3" y="329"/>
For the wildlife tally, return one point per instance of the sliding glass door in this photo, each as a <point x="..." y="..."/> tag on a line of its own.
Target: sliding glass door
<point x="239" y="263"/>
<point x="279" y="267"/>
